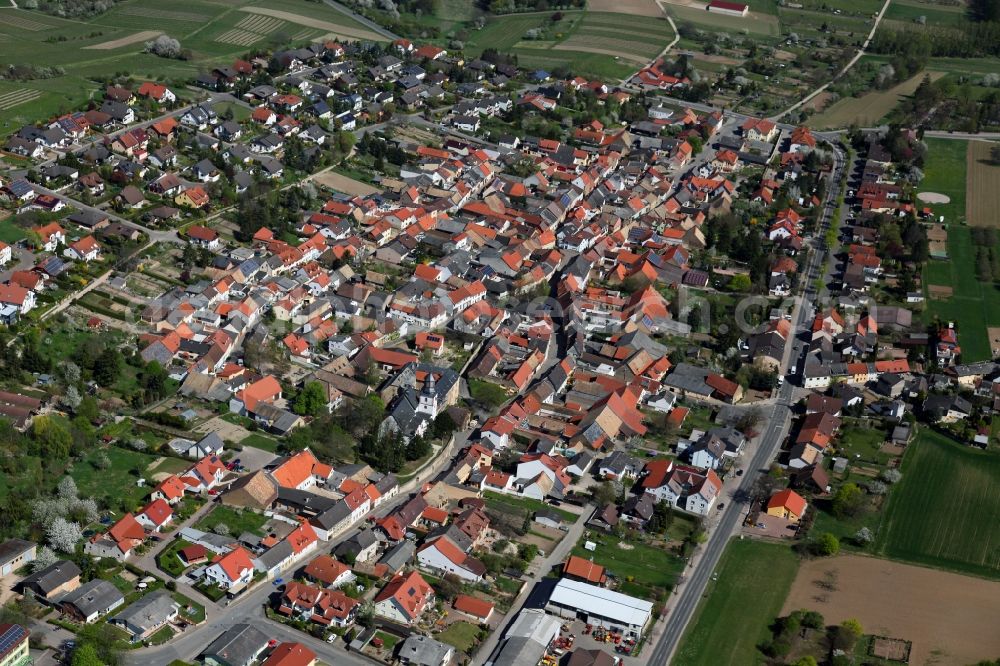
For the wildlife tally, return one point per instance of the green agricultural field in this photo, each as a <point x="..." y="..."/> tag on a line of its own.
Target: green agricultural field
<point x="907" y="12"/>
<point x="93" y="49"/>
<point x="974" y="305"/>
<point x="945" y="512"/>
<point x="759" y="24"/>
<point x="753" y="580"/>
<point x="599" y="44"/>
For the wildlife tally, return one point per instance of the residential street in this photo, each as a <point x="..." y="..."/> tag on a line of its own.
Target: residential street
<point x="250" y="607"/>
<point x="688" y="593"/>
<point x="557" y="556"/>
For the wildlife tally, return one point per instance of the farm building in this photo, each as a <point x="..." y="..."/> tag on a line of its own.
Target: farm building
<point x="731" y="8"/>
<point x="599" y="606"/>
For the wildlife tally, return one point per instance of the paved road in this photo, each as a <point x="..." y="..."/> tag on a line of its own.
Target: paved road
<point x="249" y="607"/>
<point x="689" y="593"/>
<point x="371" y="25"/>
<point x="558" y="555"/>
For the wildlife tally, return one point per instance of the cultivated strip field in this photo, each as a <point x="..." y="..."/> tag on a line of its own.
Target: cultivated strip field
<point x="23" y="23"/>
<point x="262" y="24"/>
<point x="249" y="30"/>
<point x="868" y="109"/>
<point x="946" y="511"/>
<point x="332" y="28"/>
<point x="11" y="99"/>
<point x="950" y="619"/>
<point x="982" y="200"/>
<point x="148" y="12"/>
<point x="617" y="35"/>
<point x="609" y="47"/>
<point x="143" y="36"/>
<point x="633" y="7"/>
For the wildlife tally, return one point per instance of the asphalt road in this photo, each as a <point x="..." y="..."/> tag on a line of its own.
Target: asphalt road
<point x="250" y="606"/>
<point x="703" y="565"/>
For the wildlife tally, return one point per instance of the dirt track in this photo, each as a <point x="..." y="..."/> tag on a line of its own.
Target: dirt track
<point x="951" y="619"/>
<point x="143" y="36"/>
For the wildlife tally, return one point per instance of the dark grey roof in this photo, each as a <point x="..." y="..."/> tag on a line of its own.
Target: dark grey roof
<point x="149" y="612"/>
<point x="422" y="650"/>
<point x="52" y="576"/>
<point x="357" y="543"/>
<point x="92" y="597"/>
<point x="237" y="646"/>
<point x="399" y="555"/>
<point x="275" y="555"/>
<point x="11" y="549"/>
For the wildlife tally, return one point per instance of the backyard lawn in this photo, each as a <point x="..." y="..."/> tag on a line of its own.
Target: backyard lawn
<point x="462" y="635"/>
<point x="117" y="484"/>
<point x="945" y="512"/>
<point x="753" y="580"/>
<point x="863" y="440"/>
<point x="169" y="561"/>
<point x="259" y="441"/>
<point x="190" y="610"/>
<point x="237" y="521"/>
<point x="523" y="505"/>
<point x="638" y="566"/>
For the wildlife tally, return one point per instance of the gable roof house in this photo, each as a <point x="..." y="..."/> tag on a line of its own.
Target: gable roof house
<point x="404" y="598"/>
<point x="92" y="600"/>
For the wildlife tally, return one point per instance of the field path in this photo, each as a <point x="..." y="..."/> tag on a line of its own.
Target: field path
<point x="851" y="63"/>
<point x="333" y="28"/>
<point x="666" y="49"/>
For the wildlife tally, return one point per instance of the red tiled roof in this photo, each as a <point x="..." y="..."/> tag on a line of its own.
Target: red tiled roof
<point x="473" y="606"/>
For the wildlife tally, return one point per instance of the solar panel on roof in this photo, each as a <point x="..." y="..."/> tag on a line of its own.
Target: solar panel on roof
<point x="14" y="635"/>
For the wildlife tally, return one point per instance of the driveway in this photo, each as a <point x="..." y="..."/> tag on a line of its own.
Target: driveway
<point x="538" y="569"/>
<point x="25" y="260"/>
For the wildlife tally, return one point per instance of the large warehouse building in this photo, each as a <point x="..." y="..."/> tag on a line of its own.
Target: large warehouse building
<point x="599" y="606"/>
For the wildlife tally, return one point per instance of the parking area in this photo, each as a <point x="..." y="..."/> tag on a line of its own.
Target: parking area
<point x="772" y="526"/>
<point x="595" y="638"/>
<point x="253" y="459"/>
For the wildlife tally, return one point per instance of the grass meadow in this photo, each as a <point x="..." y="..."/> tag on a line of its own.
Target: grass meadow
<point x="754" y="578"/>
<point x="945" y="513"/>
<point x="975" y="305"/>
